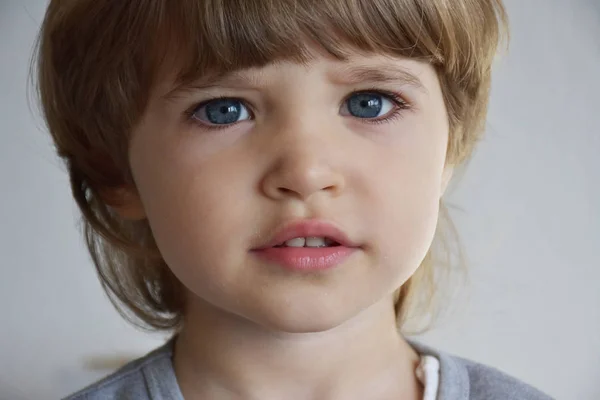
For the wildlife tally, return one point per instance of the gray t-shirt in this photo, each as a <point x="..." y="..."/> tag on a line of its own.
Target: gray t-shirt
<point x="152" y="377"/>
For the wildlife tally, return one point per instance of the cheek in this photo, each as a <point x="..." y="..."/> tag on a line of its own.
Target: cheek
<point x="407" y="215"/>
<point x="405" y="197"/>
<point x="194" y="204"/>
<point x="408" y="231"/>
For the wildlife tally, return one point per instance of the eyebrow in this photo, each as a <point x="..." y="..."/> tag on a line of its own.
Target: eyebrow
<point x="350" y="75"/>
<point x="233" y="79"/>
<point x="378" y="74"/>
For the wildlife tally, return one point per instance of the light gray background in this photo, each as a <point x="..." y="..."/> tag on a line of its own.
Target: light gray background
<point x="530" y="222"/>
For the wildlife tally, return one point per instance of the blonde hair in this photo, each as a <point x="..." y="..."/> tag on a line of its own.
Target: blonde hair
<point x="98" y="61"/>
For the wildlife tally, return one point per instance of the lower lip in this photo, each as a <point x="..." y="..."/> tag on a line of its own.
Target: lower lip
<point x="306" y="258"/>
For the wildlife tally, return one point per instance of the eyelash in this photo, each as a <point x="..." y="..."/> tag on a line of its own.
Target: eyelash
<point x="400" y="103"/>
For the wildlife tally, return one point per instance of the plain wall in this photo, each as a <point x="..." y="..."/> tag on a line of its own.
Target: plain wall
<point x="530" y="222"/>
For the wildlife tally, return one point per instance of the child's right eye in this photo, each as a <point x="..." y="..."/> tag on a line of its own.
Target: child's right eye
<point x="220" y="112"/>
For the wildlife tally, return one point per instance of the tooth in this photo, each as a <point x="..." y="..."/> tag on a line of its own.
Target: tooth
<point x="296" y="242"/>
<point x="315" y="242"/>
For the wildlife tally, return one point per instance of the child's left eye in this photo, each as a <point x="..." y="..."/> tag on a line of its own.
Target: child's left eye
<point x="371" y="105"/>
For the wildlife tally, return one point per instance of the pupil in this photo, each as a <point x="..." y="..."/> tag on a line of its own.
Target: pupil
<point x="223" y="112"/>
<point x="365" y="105"/>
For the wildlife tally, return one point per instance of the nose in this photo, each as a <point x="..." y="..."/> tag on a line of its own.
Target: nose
<point x="304" y="164"/>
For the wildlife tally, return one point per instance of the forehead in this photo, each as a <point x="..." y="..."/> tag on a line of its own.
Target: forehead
<point x="355" y="68"/>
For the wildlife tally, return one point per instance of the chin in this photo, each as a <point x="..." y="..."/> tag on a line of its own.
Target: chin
<point x="315" y="319"/>
<point x="306" y="325"/>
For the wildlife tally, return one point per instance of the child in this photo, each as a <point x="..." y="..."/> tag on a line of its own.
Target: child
<point x="263" y="179"/>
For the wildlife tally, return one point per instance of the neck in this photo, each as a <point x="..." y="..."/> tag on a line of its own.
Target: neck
<point x="223" y="356"/>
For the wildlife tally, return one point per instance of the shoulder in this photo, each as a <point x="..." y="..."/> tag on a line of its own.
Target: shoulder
<point x="465" y="379"/>
<point x="486" y="382"/>
<point x="134" y="381"/>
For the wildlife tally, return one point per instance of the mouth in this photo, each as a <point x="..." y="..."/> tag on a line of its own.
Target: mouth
<point x="309" y="233"/>
<point x="312" y="242"/>
<point x="308" y="245"/>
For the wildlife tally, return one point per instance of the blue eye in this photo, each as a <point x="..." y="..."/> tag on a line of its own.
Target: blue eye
<point x="221" y="112"/>
<point x="368" y="105"/>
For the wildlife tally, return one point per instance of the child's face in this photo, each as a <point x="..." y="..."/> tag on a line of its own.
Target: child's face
<point x="299" y="145"/>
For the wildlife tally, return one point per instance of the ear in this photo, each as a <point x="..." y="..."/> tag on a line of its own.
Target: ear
<point x="446" y="178"/>
<point x="125" y="201"/>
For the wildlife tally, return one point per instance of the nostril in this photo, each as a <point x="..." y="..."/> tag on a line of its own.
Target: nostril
<point x="285" y="190"/>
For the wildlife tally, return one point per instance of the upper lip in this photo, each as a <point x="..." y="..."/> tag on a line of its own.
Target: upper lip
<point x="308" y="228"/>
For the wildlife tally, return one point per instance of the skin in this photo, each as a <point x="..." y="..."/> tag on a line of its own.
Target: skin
<point x="255" y="331"/>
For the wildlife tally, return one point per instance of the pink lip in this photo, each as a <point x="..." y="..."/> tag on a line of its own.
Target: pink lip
<point x="306" y="258"/>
